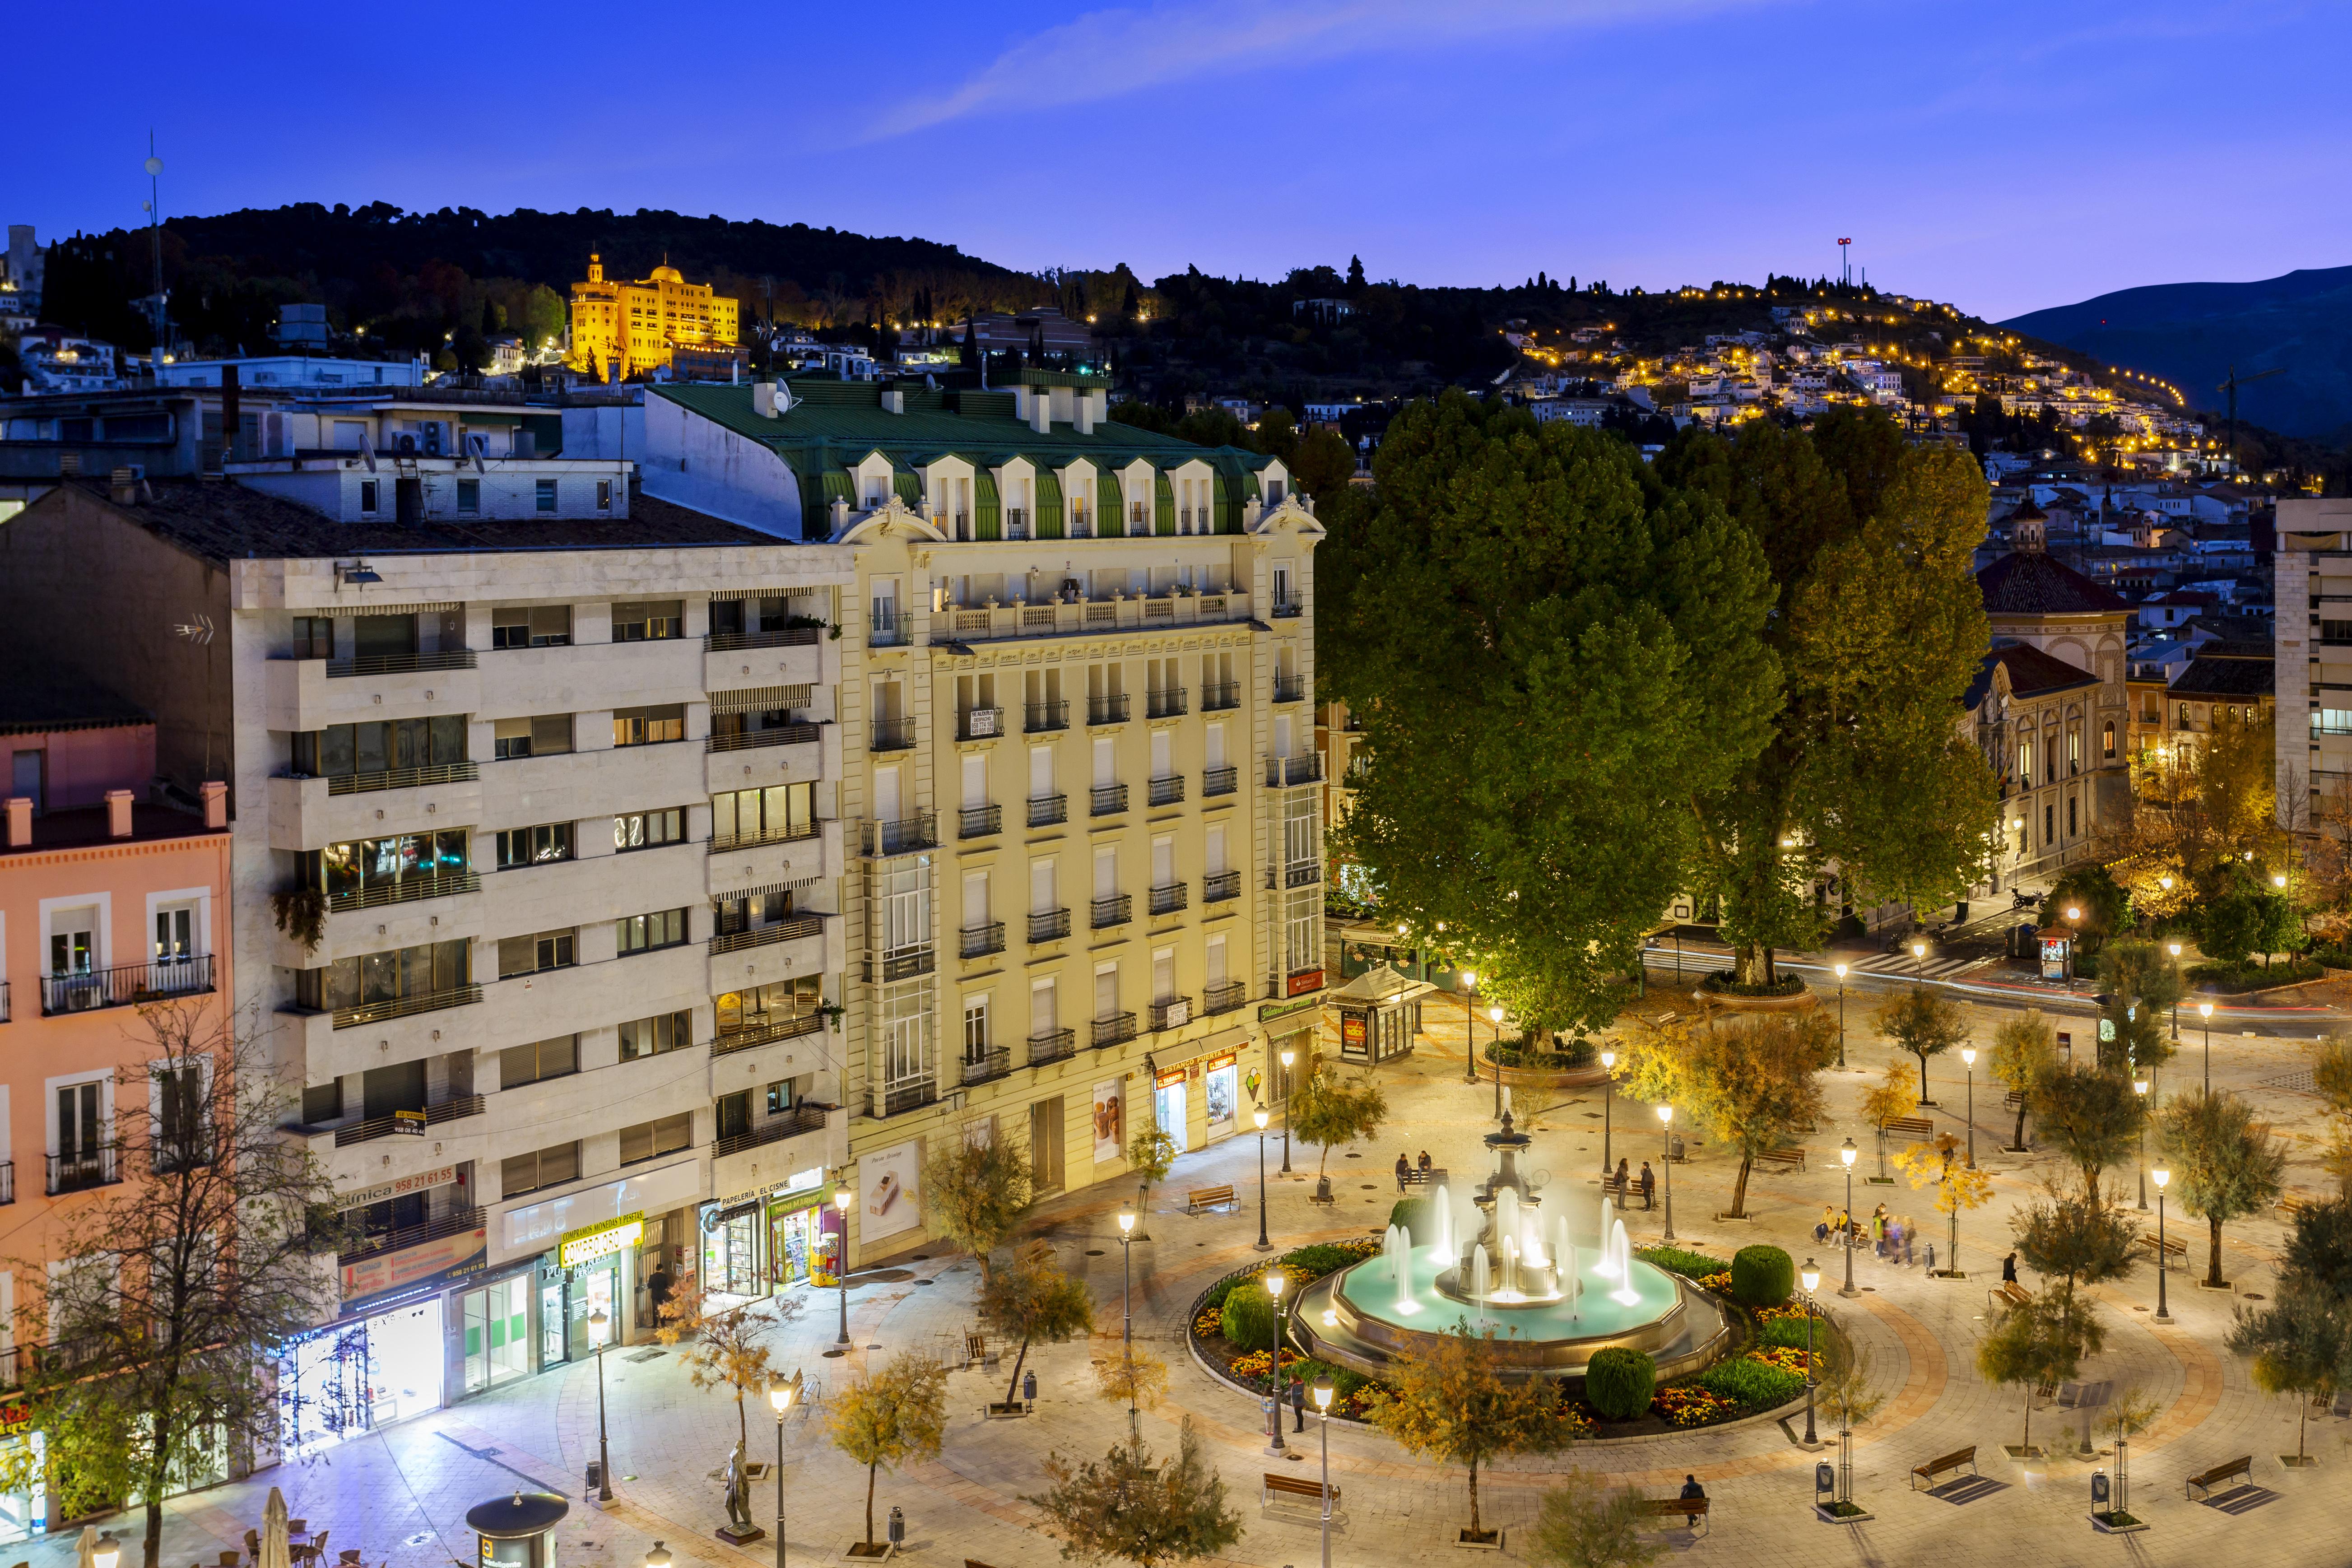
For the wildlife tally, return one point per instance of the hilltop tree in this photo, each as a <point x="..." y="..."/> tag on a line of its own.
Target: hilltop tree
<point x="2023" y="1048"/>
<point x="1453" y="1405"/>
<point x="975" y="1193"/>
<point x="1924" y="1024"/>
<point x="2229" y="1165"/>
<point x="1879" y="630"/>
<point x="1133" y="1508"/>
<point x="1487" y="616"/>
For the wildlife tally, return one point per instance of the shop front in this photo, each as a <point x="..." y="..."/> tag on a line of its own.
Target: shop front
<point x="1168" y="1106"/>
<point x="594" y="1262"/>
<point x="1221" y="1095"/>
<point x="734" y="1244"/>
<point x="24" y="1460"/>
<point x="493" y="1325"/>
<point x="359" y="1375"/>
<point x="795" y="1217"/>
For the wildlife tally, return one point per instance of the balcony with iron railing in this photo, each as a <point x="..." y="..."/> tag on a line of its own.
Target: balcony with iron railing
<point x="1223" y="997"/>
<point x="1218" y="781"/>
<point x="406" y="1006"/>
<point x="1168" y="898"/>
<point x="783" y="636"/>
<point x="1168" y="791"/>
<point x="8" y="1181"/>
<point x="886" y="628"/>
<point x="1110" y="710"/>
<point x="4" y="1001"/>
<point x="1040" y="717"/>
<point x="722" y="842"/>
<point x="1287" y="773"/>
<point x="979" y="723"/>
<point x="987" y="1066"/>
<point x="1106" y="800"/>
<point x="456" y="1222"/>
<point x="1296" y="874"/>
<point x="1116" y="909"/>
<point x="893" y="735"/>
<point x="1167" y="702"/>
<point x="791" y="929"/>
<point x="979" y="941"/>
<point x="406" y="889"/>
<point x="1216" y="696"/>
<point x="1173" y="1013"/>
<point x="1081" y="617"/>
<point x="403" y="778"/>
<point x="400" y="663"/>
<point x="796" y="734"/>
<point x="1053" y="1046"/>
<point x="883" y="1101"/>
<point x="806" y="1117"/>
<point x="374" y="1127"/>
<point x="126" y="985"/>
<point x="1225" y="885"/>
<point x="1046" y="810"/>
<point x="1049" y="925"/>
<point x="767" y="1034"/>
<point x="1289" y="689"/>
<point x="1287" y="607"/>
<point x="980" y="821"/>
<point x="79" y="1173"/>
<point x="1115" y="1030"/>
<point x="901" y="963"/>
<point x="900" y="836"/>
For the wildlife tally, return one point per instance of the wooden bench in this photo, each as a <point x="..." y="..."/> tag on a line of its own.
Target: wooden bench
<point x="2171" y="1248"/>
<point x="1275" y="1488"/>
<point x="2013" y="1101"/>
<point x="2008" y="1293"/>
<point x="975" y="1349"/>
<point x="1781" y="1157"/>
<point x="1908" y="1127"/>
<point x="2294" y="1203"/>
<point x="2205" y="1480"/>
<point x="1692" y="1508"/>
<point x="1208" y="1197"/>
<point x="1948" y="1462"/>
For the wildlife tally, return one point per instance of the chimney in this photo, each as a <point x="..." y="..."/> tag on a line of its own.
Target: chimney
<point x="230" y="414"/>
<point x="1087" y="406"/>
<point x="20" y="821"/>
<point x="1041" y="409"/>
<point x="118" y="814"/>
<point x="215" y="794"/>
<point x="763" y="399"/>
<point x="122" y="485"/>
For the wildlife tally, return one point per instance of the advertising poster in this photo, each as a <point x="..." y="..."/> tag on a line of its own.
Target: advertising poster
<point x="889" y="1201"/>
<point x="1111" y="1122"/>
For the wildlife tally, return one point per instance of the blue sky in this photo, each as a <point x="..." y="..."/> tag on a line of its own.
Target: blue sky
<point x="2002" y="154"/>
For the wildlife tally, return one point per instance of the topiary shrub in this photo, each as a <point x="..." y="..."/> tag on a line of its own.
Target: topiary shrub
<point x="1249" y="1317"/>
<point x="1303" y="1265"/>
<point x="1418" y="1218"/>
<point x="1763" y="1276"/>
<point x="1619" y="1381"/>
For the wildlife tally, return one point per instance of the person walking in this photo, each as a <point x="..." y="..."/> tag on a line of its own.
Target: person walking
<point x="1910" y="1231"/>
<point x="2008" y="1269"/>
<point x="1649" y="1183"/>
<point x="1878" y="1231"/>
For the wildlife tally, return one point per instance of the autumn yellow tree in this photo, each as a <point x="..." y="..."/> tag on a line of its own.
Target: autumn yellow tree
<point x="1454" y="1405"/>
<point x="2023" y="1048"/>
<point x="888" y="1418"/>
<point x="726" y="1347"/>
<point x="1754" y="1084"/>
<point x="1959" y="1186"/>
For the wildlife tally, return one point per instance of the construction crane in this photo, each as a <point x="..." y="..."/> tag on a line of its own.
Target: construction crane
<point x="2231" y="386"/>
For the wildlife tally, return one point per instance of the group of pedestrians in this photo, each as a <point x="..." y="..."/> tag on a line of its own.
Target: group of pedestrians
<point x="1892" y="1237"/>
<point x="1623" y="1181"/>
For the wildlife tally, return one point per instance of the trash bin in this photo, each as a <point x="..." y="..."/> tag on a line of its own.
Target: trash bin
<point x="595" y="1475"/>
<point x="898" y="1526"/>
<point x="1029" y="1387"/>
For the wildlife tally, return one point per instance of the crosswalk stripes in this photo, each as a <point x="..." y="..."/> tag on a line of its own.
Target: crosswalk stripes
<point x="1893" y="965"/>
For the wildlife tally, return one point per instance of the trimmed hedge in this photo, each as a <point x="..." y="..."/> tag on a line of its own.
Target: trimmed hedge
<point x="1249" y="1317"/>
<point x="1417" y="1217"/>
<point x="1757" y="1385"/>
<point x="1302" y="1264"/>
<point x="1676" y="1260"/>
<point x="1763" y="1276"/>
<point x="1620" y="1382"/>
<point x="1579" y="1054"/>
<point x="1723" y="985"/>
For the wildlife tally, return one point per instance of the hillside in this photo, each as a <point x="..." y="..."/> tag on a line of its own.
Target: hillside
<point x="2191" y="334"/>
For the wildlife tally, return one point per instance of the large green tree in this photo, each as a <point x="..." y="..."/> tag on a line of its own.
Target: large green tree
<point x="2228" y="1162"/>
<point x="1550" y="651"/>
<point x="1880" y="629"/>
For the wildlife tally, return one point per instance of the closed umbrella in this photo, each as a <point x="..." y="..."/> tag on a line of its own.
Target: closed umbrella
<point x="275" y="1550"/>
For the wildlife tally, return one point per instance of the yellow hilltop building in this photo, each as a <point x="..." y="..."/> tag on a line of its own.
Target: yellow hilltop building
<point x="620" y="329"/>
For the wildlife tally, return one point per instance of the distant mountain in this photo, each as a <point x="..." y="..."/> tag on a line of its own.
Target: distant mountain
<point x="2190" y="333"/>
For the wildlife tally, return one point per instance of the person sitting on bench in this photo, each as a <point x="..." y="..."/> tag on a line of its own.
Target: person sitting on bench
<point x="1692" y="1491"/>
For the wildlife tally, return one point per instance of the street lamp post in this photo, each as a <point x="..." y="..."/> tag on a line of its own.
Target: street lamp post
<point x="2163" y="1312"/>
<point x="1126" y="1317"/>
<point x="2140" y="1088"/>
<point x="1608" y="1098"/>
<point x="780" y="1399"/>
<point x="1666" y="1159"/>
<point x="1840" y="975"/>
<point x="2073" y="937"/>
<point x="1846" y="1152"/>
<point x="1969" y="1058"/>
<point x="600" y="1330"/>
<point x="1495" y="1017"/>
<point x="841" y="1259"/>
<point x="1260" y="1117"/>
<point x="1918" y="962"/>
<point x="1470" y="1027"/>
<point x="1322" y="1391"/>
<point x="2175" y="949"/>
<point x="1289" y="1055"/>
<point x="1810" y="1278"/>
<point x="2205" y="1011"/>
<point x="1273" y="1446"/>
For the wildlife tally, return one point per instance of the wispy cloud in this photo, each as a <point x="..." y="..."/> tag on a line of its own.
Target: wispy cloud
<point x="1113" y="52"/>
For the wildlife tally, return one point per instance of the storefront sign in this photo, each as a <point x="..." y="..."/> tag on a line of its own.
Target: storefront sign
<point x="600" y="1240"/>
<point x="1226" y="1060"/>
<point x="1273" y="1010"/>
<point x="15" y="1418"/>
<point x="535" y="1227"/>
<point x="1171" y="1076"/>
<point x="382" y="1272"/>
<point x="440" y="1177"/>
<point x="1110" y="1121"/>
<point x="1305" y="980"/>
<point x="410" y="1123"/>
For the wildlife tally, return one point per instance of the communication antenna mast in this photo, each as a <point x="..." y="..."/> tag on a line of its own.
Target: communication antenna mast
<point x="1845" y="262"/>
<point x="155" y="233"/>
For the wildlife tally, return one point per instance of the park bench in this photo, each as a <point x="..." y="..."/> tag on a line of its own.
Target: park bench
<point x="1200" y="1198"/>
<point x="2008" y="1293"/>
<point x="1275" y="1488"/>
<point x="2172" y="1248"/>
<point x="2013" y="1100"/>
<point x="1939" y="1465"/>
<point x="2205" y="1480"/>
<point x="975" y="1349"/>
<point x="1692" y="1508"/>
<point x="1908" y="1127"/>
<point x="2294" y="1202"/>
<point x="1795" y="1157"/>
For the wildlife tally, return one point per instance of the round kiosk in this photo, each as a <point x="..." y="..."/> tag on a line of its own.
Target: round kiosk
<point x="517" y="1531"/>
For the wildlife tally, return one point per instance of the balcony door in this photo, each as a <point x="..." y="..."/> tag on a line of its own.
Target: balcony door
<point x="886" y="795"/>
<point x="81" y="1129"/>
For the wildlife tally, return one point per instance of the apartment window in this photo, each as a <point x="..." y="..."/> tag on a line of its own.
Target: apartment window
<point x="2049" y="826"/>
<point x="2072" y="826"/>
<point x="548" y="734"/>
<point x="2331" y="721"/>
<point x="649" y="726"/>
<point x="603" y="494"/>
<point x="470" y="497"/>
<point x="393" y="976"/>
<point x="314" y="637"/>
<point x="179" y="1113"/>
<point x="648" y="829"/>
<point x="541" y="846"/>
<point x="368" y="504"/>
<point x="648" y="620"/>
<point x="652" y="1140"/>
<point x="542" y="949"/>
<point x="340" y="751"/>
<point x="779" y="1097"/>
<point x="1302" y="931"/>
<point x="539" y="625"/>
<point x="322" y="1102"/>
<point x="643" y="933"/>
<point x="519" y="1065"/>
<point x="522" y="1174"/>
<point x="2107" y="740"/>
<point x="762" y="815"/>
<point x="381" y="865"/>
<point x="904" y="1020"/>
<point x="545" y="497"/>
<point x="2025" y="758"/>
<point x="654" y="1036"/>
<point x="734" y="1113"/>
<point x="975" y="1030"/>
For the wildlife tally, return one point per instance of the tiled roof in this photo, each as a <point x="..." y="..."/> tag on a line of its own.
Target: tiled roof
<point x="2226" y="676"/>
<point x="2033" y="582"/>
<point x="2032" y="673"/>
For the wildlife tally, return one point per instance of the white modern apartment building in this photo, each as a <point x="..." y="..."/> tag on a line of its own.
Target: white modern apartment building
<point x="1077" y="744"/>
<point x="537" y="856"/>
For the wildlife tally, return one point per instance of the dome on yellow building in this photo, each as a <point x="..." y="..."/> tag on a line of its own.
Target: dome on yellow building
<point x="668" y="275"/>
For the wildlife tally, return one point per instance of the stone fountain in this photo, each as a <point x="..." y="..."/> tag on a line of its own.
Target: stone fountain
<point x="1553" y="1288"/>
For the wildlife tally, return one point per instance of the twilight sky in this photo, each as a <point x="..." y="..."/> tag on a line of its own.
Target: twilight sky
<point x="2004" y="155"/>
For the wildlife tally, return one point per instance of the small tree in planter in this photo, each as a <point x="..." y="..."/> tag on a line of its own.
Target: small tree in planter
<point x="1326" y="1108"/>
<point x="1958" y="1186"/>
<point x="1587" y="1524"/>
<point x="2093" y="1117"/>
<point x="974" y="1193"/>
<point x="1847" y="1387"/>
<point x="1151" y="1155"/>
<point x="1754" y="1084"/>
<point x="1453" y="1405"/>
<point x="1137" y="1375"/>
<point x="1031" y="1300"/>
<point x="1923" y="1023"/>
<point x="2301" y="1347"/>
<point x="2035" y="1342"/>
<point x="1883" y="1104"/>
<point x="2023" y="1048"/>
<point x="724" y="1347"/>
<point x="1133" y="1508"/>
<point x="2227" y="1165"/>
<point x="890" y="1418"/>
